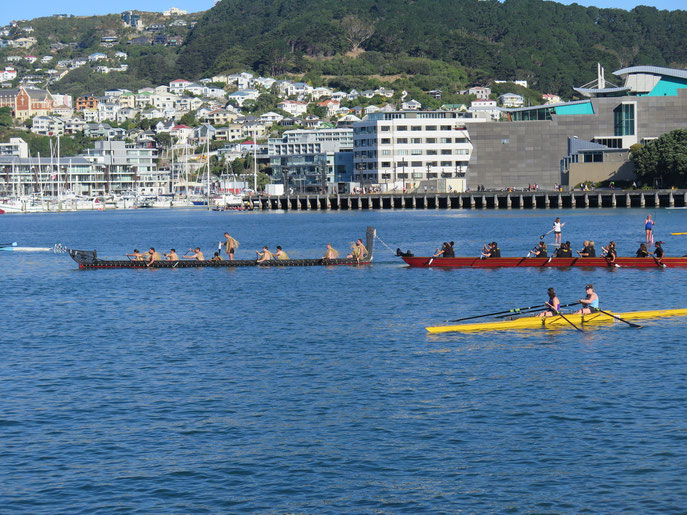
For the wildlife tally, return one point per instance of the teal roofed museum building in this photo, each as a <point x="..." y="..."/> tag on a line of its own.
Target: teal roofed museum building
<point x="589" y="139"/>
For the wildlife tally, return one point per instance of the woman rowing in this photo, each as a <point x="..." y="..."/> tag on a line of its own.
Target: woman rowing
<point x="553" y="304"/>
<point x="540" y="250"/>
<point x="658" y="253"/>
<point x="590" y="304"/>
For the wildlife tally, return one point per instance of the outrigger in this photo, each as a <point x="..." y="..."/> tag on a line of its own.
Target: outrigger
<point x="89" y="259"/>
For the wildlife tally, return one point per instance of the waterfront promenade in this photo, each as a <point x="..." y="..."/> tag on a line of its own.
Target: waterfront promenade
<point x="480" y="200"/>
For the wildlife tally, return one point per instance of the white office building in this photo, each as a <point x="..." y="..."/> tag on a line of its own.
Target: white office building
<point x="401" y="149"/>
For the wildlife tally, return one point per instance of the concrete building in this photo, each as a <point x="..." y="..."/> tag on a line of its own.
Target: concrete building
<point x="312" y="160"/>
<point x="402" y="148"/>
<point x="532" y="147"/>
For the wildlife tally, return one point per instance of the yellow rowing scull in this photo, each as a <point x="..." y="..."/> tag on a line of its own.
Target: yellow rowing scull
<point x="556" y="322"/>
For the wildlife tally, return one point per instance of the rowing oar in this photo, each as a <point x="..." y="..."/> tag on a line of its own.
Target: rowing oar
<point x="564" y="317"/>
<point x="544" y="235"/>
<point x="535" y="308"/>
<point x="636" y="326"/>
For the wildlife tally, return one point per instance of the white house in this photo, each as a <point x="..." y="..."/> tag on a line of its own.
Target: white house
<point x="332" y="106"/>
<point x="47" y="126"/>
<point x="481" y="92"/>
<point x="412" y="105"/>
<point x="511" y="100"/>
<point x="96" y="56"/>
<point x="485" y="109"/>
<point x="271" y="117"/>
<point x="293" y="107"/>
<point x="551" y="99"/>
<point x="321" y="92"/>
<point x="178" y="86"/>
<point x="242" y="95"/>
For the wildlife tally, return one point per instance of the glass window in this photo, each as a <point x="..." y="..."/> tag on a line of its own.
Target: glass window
<point x="416" y="141"/>
<point x="431" y="152"/>
<point x="402" y="141"/>
<point x="445" y="151"/>
<point x="416" y="163"/>
<point x="416" y="128"/>
<point x="386" y="141"/>
<point x="402" y="128"/>
<point x="416" y="152"/>
<point x="431" y="140"/>
<point x="385" y="128"/>
<point x="445" y="140"/>
<point x="445" y="127"/>
<point x="431" y="128"/>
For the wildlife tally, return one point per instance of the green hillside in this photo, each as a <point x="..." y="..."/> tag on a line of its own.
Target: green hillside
<point x="551" y="45"/>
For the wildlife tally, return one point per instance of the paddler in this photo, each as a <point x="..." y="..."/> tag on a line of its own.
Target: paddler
<point x="590" y="303"/>
<point x="553" y="304"/>
<point x="588" y="250"/>
<point x="331" y="253"/>
<point x="280" y="255"/>
<point x="540" y="251"/>
<point x="610" y="253"/>
<point x="136" y="255"/>
<point x="358" y="251"/>
<point x="230" y="246"/>
<point x="495" y="251"/>
<point x="172" y="255"/>
<point x="649" y="228"/>
<point x="197" y="254"/>
<point x="153" y="256"/>
<point x="216" y="257"/>
<point x="265" y="255"/>
<point x="658" y="253"/>
<point x="642" y="251"/>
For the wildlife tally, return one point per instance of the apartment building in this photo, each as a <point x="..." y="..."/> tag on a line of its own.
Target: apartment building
<point x="402" y="148"/>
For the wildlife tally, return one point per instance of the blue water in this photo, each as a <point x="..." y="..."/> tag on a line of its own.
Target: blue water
<point x="317" y="390"/>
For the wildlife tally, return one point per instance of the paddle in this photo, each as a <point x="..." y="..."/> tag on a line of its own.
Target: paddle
<point x="564" y="317"/>
<point x="636" y="326"/>
<point x="13" y="244"/>
<point x="544" y="235"/>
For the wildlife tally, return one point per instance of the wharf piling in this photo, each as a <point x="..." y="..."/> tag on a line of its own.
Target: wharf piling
<point x="496" y="200"/>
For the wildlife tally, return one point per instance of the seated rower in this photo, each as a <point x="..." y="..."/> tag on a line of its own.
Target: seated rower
<point x="588" y="250"/>
<point x="197" y="254"/>
<point x="610" y="253"/>
<point x="265" y="255"/>
<point x="495" y="250"/>
<point x="331" y="253"/>
<point x="564" y="251"/>
<point x="446" y="250"/>
<point x="216" y="257"/>
<point x="658" y="253"/>
<point x="358" y="251"/>
<point x="642" y="251"/>
<point x="590" y="304"/>
<point x="136" y="255"/>
<point x="154" y="256"/>
<point x="540" y="250"/>
<point x="172" y="256"/>
<point x="486" y="251"/>
<point x="553" y="304"/>
<point x="280" y="255"/>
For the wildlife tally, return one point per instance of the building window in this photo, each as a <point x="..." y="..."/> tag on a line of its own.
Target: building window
<point x="386" y="164"/>
<point x="446" y="163"/>
<point x="402" y="128"/>
<point x="445" y="140"/>
<point x="430" y="140"/>
<point x="386" y="141"/>
<point x="385" y="128"/>
<point x="624" y="120"/>
<point x="431" y="128"/>
<point x="401" y="152"/>
<point x="402" y="141"/>
<point x="416" y="141"/>
<point x="386" y="152"/>
<point x="416" y="164"/>
<point x="416" y="128"/>
<point x="446" y="152"/>
<point x="431" y="152"/>
<point x="416" y="152"/>
<point x="445" y="127"/>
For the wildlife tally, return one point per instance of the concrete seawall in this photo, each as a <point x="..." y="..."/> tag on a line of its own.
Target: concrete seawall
<point x="481" y="200"/>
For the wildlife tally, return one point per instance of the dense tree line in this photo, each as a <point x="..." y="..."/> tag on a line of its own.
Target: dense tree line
<point x="662" y="161"/>
<point x="551" y="45"/>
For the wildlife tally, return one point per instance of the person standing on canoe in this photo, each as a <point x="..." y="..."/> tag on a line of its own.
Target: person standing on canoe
<point x="553" y="304"/>
<point x="154" y="256"/>
<point x="265" y="255"/>
<point x="557" y="226"/>
<point x="230" y="246"/>
<point x="331" y="253"/>
<point x="172" y="256"/>
<point x="590" y="304"/>
<point x="197" y="254"/>
<point x="280" y="255"/>
<point x="649" y="228"/>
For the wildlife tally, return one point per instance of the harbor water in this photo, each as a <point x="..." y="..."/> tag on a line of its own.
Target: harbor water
<point x="317" y="389"/>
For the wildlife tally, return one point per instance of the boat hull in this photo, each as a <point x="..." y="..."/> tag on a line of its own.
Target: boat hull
<point x="88" y="259"/>
<point x="533" y="262"/>
<point x="555" y="322"/>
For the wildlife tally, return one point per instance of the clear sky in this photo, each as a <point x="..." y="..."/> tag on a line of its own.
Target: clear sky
<point x="28" y="9"/>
